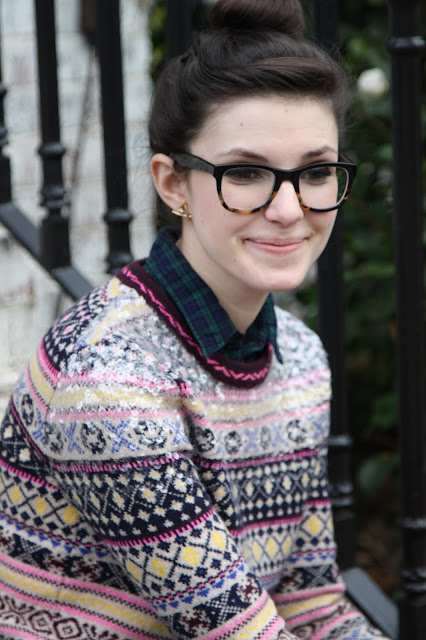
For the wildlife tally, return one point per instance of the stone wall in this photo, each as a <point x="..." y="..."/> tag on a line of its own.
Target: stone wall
<point x="29" y="299"/>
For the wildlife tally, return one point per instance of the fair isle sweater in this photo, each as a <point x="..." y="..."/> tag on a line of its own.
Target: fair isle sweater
<point x="149" y="492"/>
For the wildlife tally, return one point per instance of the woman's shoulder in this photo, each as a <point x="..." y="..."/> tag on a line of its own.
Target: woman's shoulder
<point x="106" y="319"/>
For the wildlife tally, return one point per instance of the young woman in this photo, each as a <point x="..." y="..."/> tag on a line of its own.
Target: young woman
<point x="163" y="470"/>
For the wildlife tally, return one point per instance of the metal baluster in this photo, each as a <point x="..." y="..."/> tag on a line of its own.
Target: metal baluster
<point x="178" y="37"/>
<point x="50" y="246"/>
<point x="5" y="186"/>
<point x="363" y="591"/>
<point x="55" y="250"/>
<point x="178" y="26"/>
<point x="406" y="47"/>
<point x="18" y="225"/>
<point x="117" y="216"/>
<point x="331" y="329"/>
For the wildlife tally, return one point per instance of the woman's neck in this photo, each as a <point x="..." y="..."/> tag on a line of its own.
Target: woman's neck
<point x="241" y="303"/>
<point x="241" y="314"/>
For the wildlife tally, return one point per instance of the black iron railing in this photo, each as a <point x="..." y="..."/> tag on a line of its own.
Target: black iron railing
<point x="407" y="48"/>
<point x="54" y="232"/>
<point x="49" y="245"/>
<point x="117" y="216"/>
<point x="331" y="329"/>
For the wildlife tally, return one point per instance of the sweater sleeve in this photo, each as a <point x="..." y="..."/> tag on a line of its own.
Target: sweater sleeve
<point x="311" y="595"/>
<point x="121" y="455"/>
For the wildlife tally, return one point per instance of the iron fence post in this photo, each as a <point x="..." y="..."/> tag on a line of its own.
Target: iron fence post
<point x="5" y="181"/>
<point x="406" y="47"/>
<point x="331" y="329"/>
<point x="55" y="251"/>
<point x="50" y="244"/>
<point x="178" y="37"/>
<point x="178" y="26"/>
<point x="117" y="216"/>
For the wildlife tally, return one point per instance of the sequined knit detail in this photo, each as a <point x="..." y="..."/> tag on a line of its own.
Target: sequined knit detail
<point x="147" y="494"/>
<point x="233" y="372"/>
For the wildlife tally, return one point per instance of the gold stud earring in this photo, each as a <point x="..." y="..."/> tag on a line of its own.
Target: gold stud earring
<point x="182" y="211"/>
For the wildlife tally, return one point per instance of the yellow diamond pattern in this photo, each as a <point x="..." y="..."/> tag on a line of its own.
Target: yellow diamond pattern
<point x="190" y="556"/>
<point x="287" y="545"/>
<point x="271" y="548"/>
<point x="16" y="495"/>
<point x="257" y="551"/>
<point x="70" y="515"/>
<point x="314" y="525"/>
<point x="41" y="506"/>
<point x="218" y="539"/>
<point x="158" y="567"/>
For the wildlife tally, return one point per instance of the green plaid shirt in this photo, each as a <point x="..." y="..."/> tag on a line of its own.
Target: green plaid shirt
<point x="208" y="321"/>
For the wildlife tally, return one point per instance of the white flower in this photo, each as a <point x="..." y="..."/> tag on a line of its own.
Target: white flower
<point x="373" y="82"/>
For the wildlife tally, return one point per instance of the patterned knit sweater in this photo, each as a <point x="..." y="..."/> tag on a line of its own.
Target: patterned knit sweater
<point x="147" y="492"/>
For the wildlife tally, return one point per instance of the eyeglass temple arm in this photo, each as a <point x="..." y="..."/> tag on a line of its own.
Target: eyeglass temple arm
<point x="189" y="161"/>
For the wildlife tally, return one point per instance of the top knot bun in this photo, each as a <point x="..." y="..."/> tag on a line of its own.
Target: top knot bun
<point x="253" y="48"/>
<point x="284" y="16"/>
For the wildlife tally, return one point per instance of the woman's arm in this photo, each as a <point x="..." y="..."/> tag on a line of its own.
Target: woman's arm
<point x="311" y="596"/>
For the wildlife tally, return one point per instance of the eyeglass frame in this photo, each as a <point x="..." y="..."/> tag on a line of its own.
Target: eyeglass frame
<point x="191" y="161"/>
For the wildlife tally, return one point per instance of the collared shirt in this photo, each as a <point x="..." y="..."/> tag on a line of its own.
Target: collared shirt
<point x="209" y="322"/>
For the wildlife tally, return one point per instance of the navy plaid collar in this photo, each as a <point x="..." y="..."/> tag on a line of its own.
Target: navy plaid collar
<point x="208" y="321"/>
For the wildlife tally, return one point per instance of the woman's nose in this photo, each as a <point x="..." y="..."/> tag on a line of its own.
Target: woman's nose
<point x="285" y="207"/>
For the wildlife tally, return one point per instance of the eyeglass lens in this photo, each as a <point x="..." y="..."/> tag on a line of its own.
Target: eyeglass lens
<point x="250" y="187"/>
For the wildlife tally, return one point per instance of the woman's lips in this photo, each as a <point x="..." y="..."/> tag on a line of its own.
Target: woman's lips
<point x="276" y="246"/>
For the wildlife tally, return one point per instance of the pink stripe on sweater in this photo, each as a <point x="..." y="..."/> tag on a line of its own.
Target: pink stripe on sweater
<point x="312" y="593"/>
<point x="307" y="453"/>
<point x="256" y="393"/>
<point x="79" y="614"/>
<point x="48" y="368"/>
<point x="24" y="635"/>
<point x="123" y="378"/>
<point x="278" y="417"/>
<point x="265" y="523"/>
<point x="75" y="584"/>
<point x="312" y="553"/>
<point x="323" y="632"/>
<point x="314" y="614"/>
<point x="113" y="413"/>
<point x="26" y="476"/>
<point x="115" y="466"/>
<point x="318" y="503"/>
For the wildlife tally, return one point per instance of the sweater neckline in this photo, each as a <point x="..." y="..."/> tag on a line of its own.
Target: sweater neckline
<point x="233" y="372"/>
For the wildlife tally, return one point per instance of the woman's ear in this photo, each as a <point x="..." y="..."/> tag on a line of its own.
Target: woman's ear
<point x="169" y="184"/>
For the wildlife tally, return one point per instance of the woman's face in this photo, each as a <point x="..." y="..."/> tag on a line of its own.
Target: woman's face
<point x="244" y="257"/>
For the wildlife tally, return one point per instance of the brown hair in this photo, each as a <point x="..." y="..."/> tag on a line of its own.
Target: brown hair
<point x="252" y="48"/>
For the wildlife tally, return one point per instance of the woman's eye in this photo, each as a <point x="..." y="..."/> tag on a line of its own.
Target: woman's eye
<point x="244" y="174"/>
<point x="317" y="175"/>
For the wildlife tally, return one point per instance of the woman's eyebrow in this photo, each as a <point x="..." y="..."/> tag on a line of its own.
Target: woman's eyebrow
<point x="247" y="154"/>
<point x="318" y="152"/>
<point x="253" y="156"/>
